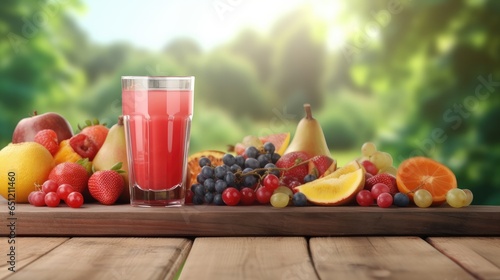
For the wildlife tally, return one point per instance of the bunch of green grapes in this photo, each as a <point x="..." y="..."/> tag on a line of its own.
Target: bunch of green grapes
<point x="382" y="161"/>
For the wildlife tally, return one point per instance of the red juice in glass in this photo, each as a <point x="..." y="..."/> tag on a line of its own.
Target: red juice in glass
<point x="157" y="116"/>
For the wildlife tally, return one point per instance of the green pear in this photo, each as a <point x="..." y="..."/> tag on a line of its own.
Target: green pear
<point x="309" y="136"/>
<point x="113" y="151"/>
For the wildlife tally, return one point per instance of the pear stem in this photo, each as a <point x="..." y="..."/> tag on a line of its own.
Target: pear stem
<point x="120" y="120"/>
<point x="307" y="108"/>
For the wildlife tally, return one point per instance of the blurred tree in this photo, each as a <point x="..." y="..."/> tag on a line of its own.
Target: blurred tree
<point x="231" y="83"/>
<point x="445" y="76"/>
<point x="298" y="60"/>
<point x="103" y="61"/>
<point x="185" y="51"/>
<point x="257" y="49"/>
<point x="34" y="69"/>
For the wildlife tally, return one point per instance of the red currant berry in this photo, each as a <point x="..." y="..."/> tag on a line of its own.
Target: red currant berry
<point x="49" y="186"/>
<point x="38" y="198"/>
<point x="370" y="167"/>
<point x="364" y="198"/>
<point x="63" y="190"/>
<point x="52" y="199"/>
<point x="384" y="200"/>
<point x="247" y="196"/>
<point x="271" y="182"/>
<point x="231" y="196"/>
<point x="263" y="195"/>
<point x="378" y="189"/>
<point x="74" y="200"/>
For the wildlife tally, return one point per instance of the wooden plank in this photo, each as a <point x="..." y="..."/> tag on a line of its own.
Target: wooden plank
<point x="479" y="255"/>
<point x="255" y="220"/>
<point x="249" y="258"/>
<point x="27" y="250"/>
<point x="110" y="258"/>
<point x="381" y="257"/>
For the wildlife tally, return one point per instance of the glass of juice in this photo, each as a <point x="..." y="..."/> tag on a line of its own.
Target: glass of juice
<point x="157" y="113"/>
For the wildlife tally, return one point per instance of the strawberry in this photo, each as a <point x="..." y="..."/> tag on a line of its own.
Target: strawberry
<point x="70" y="173"/>
<point x="295" y="165"/>
<point x="95" y="131"/>
<point x="106" y="186"/>
<point x="384" y="178"/>
<point x="83" y="146"/>
<point x="48" y="139"/>
<point x="319" y="164"/>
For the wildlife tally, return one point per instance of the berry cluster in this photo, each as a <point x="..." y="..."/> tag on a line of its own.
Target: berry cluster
<point x="50" y="194"/>
<point x="243" y="179"/>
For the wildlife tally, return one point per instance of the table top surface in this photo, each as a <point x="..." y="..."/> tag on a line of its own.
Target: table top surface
<point x="255" y="220"/>
<point x="251" y="242"/>
<point x="355" y="257"/>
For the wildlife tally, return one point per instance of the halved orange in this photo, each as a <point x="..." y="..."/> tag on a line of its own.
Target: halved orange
<point x="425" y="173"/>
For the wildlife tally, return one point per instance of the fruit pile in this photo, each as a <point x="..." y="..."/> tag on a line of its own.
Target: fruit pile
<point x="92" y="166"/>
<point x="47" y="163"/>
<point x="306" y="174"/>
<point x="247" y="179"/>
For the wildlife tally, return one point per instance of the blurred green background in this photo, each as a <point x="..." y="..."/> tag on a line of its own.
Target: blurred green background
<point x="415" y="77"/>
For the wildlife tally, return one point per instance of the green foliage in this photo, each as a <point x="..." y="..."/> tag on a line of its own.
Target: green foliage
<point x="34" y="68"/>
<point x="231" y="83"/>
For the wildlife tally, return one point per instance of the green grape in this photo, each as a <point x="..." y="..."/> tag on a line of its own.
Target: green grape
<point x="422" y="198"/>
<point x="285" y="190"/>
<point x="470" y="197"/>
<point x="389" y="169"/>
<point x="368" y="149"/>
<point x="456" y="198"/>
<point x="280" y="200"/>
<point x="388" y="158"/>
<point x="380" y="160"/>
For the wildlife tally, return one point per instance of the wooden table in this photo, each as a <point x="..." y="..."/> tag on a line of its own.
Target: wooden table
<point x="252" y="242"/>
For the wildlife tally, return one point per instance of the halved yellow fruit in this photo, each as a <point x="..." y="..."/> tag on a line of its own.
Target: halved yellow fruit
<point x="338" y="188"/>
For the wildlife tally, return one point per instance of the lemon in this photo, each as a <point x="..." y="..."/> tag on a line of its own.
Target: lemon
<point x="23" y="165"/>
<point x="337" y="188"/>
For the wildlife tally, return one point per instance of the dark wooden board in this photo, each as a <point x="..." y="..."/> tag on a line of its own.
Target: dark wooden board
<point x="258" y="220"/>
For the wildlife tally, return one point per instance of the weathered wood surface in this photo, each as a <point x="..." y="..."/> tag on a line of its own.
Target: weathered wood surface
<point x="26" y="250"/>
<point x="394" y="257"/>
<point x="479" y="256"/>
<point x="258" y="220"/>
<point x="108" y="258"/>
<point x="249" y="258"/>
<point x="381" y="257"/>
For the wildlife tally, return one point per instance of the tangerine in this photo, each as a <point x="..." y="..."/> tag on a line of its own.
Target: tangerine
<point x="424" y="173"/>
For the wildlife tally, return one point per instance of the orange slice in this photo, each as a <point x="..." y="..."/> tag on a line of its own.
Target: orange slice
<point x="338" y="188"/>
<point x="424" y="173"/>
<point x="194" y="167"/>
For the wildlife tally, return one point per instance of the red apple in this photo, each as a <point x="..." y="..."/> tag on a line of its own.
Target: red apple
<point x="27" y="128"/>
